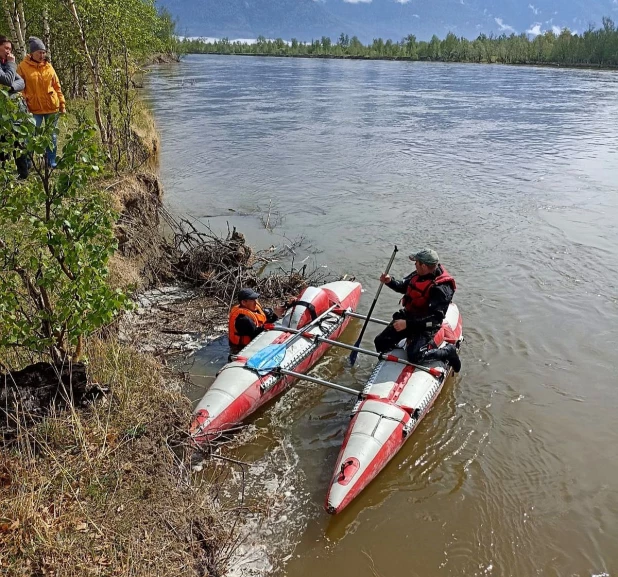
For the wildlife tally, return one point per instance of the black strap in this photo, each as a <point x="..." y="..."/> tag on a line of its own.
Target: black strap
<point x="310" y="308"/>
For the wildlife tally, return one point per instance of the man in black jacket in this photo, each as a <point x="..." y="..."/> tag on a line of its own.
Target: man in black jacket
<point x="427" y="291"/>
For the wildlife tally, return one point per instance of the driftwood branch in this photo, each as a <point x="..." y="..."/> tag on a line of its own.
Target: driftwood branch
<point x="221" y="265"/>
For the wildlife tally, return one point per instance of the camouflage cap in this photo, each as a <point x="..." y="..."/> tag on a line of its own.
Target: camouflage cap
<point x="426" y="256"/>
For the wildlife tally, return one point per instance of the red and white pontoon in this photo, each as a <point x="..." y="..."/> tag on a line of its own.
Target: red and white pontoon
<point x="241" y="387"/>
<point x="392" y="404"/>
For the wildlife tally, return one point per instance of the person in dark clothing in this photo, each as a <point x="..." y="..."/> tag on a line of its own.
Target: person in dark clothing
<point x="427" y="291"/>
<point x="247" y="319"/>
<point x="13" y="83"/>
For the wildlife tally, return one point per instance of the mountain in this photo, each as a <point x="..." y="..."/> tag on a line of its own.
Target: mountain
<point x="302" y="19"/>
<point x="368" y="19"/>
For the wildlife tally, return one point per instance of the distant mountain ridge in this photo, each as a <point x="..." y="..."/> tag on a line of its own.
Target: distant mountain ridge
<point x="300" y="19"/>
<point x="368" y="19"/>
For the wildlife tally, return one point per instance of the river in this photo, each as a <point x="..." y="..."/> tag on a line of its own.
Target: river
<point x="511" y="174"/>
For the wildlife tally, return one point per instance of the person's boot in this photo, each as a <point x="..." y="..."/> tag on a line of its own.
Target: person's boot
<point x="453" y="358"/>
<point x="447" y="353"/>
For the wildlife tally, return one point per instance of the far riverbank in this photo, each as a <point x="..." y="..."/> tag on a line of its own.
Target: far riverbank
<point x="580" y="66"/>
<point x="594" y="48"/>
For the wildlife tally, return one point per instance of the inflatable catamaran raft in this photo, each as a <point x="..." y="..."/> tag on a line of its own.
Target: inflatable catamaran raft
<point x="275" y="358"/>
<point x="394" y="401"/>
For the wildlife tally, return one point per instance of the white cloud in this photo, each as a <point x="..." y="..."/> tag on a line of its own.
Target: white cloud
<point x="358" y="1"/>
<point x="533" y="8"/>
<point x="415" y="16"/>
<point x="535" y="29"/>
<point x="402" y="1"/>
<point x="504" y="27"/>
<point x="556" y="30"/>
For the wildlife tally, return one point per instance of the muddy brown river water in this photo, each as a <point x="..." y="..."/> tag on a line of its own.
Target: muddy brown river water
<point x="511" y="173"/>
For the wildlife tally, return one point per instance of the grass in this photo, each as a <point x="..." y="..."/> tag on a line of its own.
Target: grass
<point x="107" y="491"/>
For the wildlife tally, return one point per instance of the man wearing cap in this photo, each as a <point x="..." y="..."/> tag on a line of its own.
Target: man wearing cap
<point x="427" y="293"/>
<point x="247" y="319"/>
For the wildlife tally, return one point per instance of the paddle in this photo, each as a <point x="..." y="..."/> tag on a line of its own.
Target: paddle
<point x="270" y="357"/>
<point x="354" y="354"/>
<point x="433" y="371"/>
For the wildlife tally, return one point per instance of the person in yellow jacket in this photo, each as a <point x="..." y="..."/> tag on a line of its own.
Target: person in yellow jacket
<point x="43" y="93"/>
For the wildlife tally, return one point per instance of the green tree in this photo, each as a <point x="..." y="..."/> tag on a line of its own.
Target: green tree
<point x="356" y="47"/>
<point x="448" y="47"/>
<point x="97" y="47"/>
<point x="434" y="48"/>
<point x="377" y="47"/>
<point x="410" y="46"/>
<point x="55" y="242"/>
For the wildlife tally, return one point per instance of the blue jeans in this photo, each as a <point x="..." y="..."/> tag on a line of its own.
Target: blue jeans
<point x="50" y="153"/>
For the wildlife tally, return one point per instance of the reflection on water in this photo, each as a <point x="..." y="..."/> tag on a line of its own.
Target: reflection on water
<point x="510" y="173"/>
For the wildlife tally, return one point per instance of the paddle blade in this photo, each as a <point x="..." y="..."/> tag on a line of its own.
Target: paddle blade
<point x="268" y="359"/>
<point x="354" y="354"/>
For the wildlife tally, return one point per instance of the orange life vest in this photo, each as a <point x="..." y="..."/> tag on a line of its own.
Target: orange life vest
<point x="258" y="317"/>
<point x="416" y="299"/>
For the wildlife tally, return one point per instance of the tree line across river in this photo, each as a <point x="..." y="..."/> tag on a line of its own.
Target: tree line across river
<point x="594" y="47"/>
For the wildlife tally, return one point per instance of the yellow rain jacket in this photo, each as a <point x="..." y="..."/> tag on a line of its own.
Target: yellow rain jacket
<point x="43" y="93"/>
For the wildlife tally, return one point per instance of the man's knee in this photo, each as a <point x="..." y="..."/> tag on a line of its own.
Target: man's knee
<point x="386" y="340"/>
<point x="380" y="343"/>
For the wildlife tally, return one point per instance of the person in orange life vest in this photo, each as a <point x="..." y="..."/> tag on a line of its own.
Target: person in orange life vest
<point x="427" y="291"/>
<point x="247" y="319"/>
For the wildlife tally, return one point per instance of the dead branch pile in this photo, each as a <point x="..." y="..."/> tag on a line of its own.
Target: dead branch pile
<point x="222" y="266"/>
